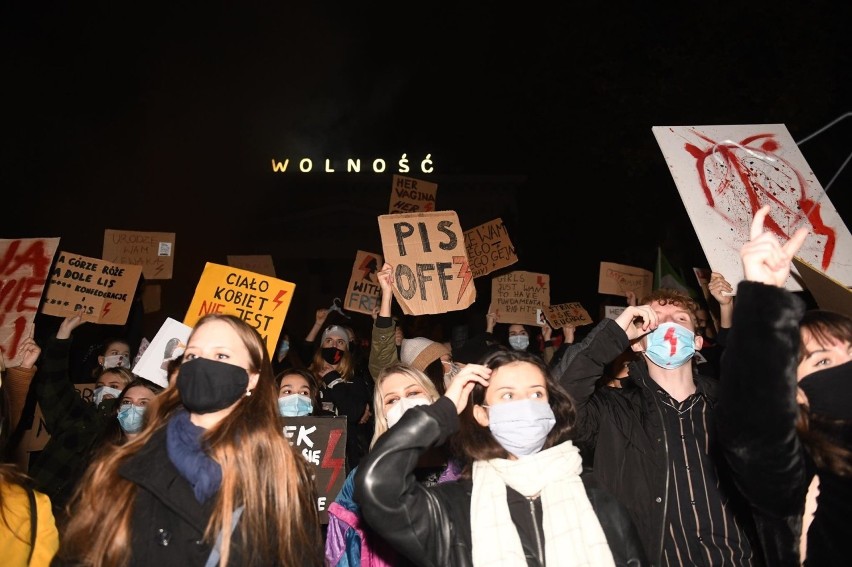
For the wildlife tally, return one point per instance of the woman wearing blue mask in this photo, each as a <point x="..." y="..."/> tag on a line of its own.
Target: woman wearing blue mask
<point x="132" y="404"/>
<point x="298" y="392"/>
<point x="521" y="499"/>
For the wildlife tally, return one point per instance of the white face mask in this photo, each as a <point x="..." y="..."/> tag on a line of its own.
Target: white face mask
<point x="117" y="360"/>
<point x="402" y="406"/>
<point x="519" y="342"/>
<point x="101" y="391"/>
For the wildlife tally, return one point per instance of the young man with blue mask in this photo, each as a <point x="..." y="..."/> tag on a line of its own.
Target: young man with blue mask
<point x="653" y="439"/>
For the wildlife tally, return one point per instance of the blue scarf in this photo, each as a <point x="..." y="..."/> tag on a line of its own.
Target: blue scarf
<point x="183" y="442"/>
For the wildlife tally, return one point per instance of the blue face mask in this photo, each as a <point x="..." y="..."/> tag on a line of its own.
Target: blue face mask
<point x="295" y="405"/>
<point x="130" y="418"/>
<point x="283" y="349"/>
<point x="670" y="345"/>
<point x="521" y="426"/>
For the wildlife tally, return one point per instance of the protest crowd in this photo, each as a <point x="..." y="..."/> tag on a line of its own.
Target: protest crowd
<point x="679" y="428"/>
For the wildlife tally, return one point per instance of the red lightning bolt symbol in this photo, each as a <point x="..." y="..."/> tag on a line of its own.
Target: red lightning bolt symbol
<point x="464" y="274"/>
<point x="541" y="281"/>
<point x="365" y="265"/>
<point x="107" y="307"/>
<point x="329" y="462"/>
<point x="278" y="299"/>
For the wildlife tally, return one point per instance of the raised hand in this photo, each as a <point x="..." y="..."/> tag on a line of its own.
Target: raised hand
<point x="68" y="325"/>
<point x="720" y="288"/>
<point x="637" y="320"/>
<point x="765" y="260"/>
<point x="30" y="351"/>
<point x="462" y="384"/>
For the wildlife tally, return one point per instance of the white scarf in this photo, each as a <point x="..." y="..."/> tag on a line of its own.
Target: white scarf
<point x="572" y="532"/>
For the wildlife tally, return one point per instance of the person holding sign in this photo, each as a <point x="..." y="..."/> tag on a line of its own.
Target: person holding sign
<point x="77" y="426"/>
<point x="211" y="479"/>
<point x="798" y="364"/>
<point x="522" y="500"/>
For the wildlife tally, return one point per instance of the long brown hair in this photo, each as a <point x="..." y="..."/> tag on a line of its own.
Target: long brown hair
<point x="260" y="471"/>
<point x="475" y="442"/>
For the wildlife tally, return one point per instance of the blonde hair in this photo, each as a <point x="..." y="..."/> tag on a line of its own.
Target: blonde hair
<point x="260" y="471"/>
<point x="381" y="421"/>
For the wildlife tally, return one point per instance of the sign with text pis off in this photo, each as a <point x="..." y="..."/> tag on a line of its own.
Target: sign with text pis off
<point x="431" y="273"/>
<point x="259" y="300"/>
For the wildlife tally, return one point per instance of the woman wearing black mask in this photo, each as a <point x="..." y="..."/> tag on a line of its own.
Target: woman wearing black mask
<point x="210" y="479"/>
<point x="340" y="391"/>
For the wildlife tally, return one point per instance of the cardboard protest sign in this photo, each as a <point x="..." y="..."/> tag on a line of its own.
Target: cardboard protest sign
<point x="724" y="174"/>
<point x="618" y="279"/>
<point x="261" y="301"/>
<point x="431" y="273"/>
<point x="102" y="291"/>
<point x="257" y="263"/>
<point x="364" y="291"/>
<point x="409" y="195"/>
<point x="151" y="297"/>
<point x="322" y="442"/>
<point x="153" y="251"/>
<point x="518" y="297"/>
<point x="489" y="248"/>
<point x="24" y="268"/>
<point x="613" y="311"/>
<point x="829" y="293"/>
<point x="567" y="314"/>
<point x="169" y="342"/>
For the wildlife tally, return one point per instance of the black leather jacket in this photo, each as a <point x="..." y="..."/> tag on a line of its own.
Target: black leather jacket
<point x="431" y="525"/>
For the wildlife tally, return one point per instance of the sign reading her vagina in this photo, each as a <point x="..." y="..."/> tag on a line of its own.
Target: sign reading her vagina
<point x="431" y="273"/>
<point x="726" y="173"/>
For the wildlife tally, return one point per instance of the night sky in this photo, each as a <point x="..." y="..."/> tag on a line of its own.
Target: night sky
<point x="166" y="118"/>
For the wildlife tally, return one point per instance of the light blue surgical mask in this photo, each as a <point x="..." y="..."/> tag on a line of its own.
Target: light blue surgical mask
<point x="283" y="349"/>
<point x="519" y="342"/>
<point x="295" y="405"/>
<point x="521" y="426"/>
<point x="131" y="417"/>
<point x="670" y="345"/>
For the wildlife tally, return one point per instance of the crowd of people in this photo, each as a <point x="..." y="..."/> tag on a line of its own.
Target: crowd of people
<point x="654" y="439"/>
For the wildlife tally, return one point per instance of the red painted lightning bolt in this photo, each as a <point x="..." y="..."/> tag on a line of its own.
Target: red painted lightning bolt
<point x="278" y="299"/>
<point x="329" y="462"/>
<point x="107" y="307"/>
<point x="369" y="266"/>
<point x="541" y="281"/>
<point x="464" y="273"/>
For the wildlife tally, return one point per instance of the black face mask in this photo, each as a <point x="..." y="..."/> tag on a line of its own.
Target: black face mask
<point x="829" y="391"/>
<point x="207" y="385"/>
<point x="332" y="355"/>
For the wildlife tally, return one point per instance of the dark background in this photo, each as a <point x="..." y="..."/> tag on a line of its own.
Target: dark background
<point x="166" y="118"/>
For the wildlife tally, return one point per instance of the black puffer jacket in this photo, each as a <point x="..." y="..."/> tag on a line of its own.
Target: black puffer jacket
<point x="431" y="525"/>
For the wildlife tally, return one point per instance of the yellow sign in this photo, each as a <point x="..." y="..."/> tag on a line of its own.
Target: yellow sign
<point x="259" y="300"/>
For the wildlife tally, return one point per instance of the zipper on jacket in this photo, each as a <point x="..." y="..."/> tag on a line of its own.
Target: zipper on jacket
<point x="538" y="535"/>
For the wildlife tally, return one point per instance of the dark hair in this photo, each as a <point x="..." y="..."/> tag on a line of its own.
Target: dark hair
<point x="112" y="432"/>
<point x="313" y="383"/>
<point x="826" y="327"/>
<point x="476" y="443"/>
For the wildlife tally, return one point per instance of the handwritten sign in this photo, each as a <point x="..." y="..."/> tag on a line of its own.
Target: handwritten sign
<point x="431" y="273"/>
<point x="409" y="195"/>
<point x="618" y="279"/>
<point x="364" y="291"/>
<point x="518" y="297"/>
<point x="257" y="263"/>
<point x="489" y="248"/>
<point x="613" y="311"/>
<point x="322" y="442"/>
<point x="24" y="268"/>
<point x="154" y="251"/>
<point x="567" y="314"/>
<point x="260" y="301"/>
<point x="725" y="173"/>
<point x="102" y="291"/>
